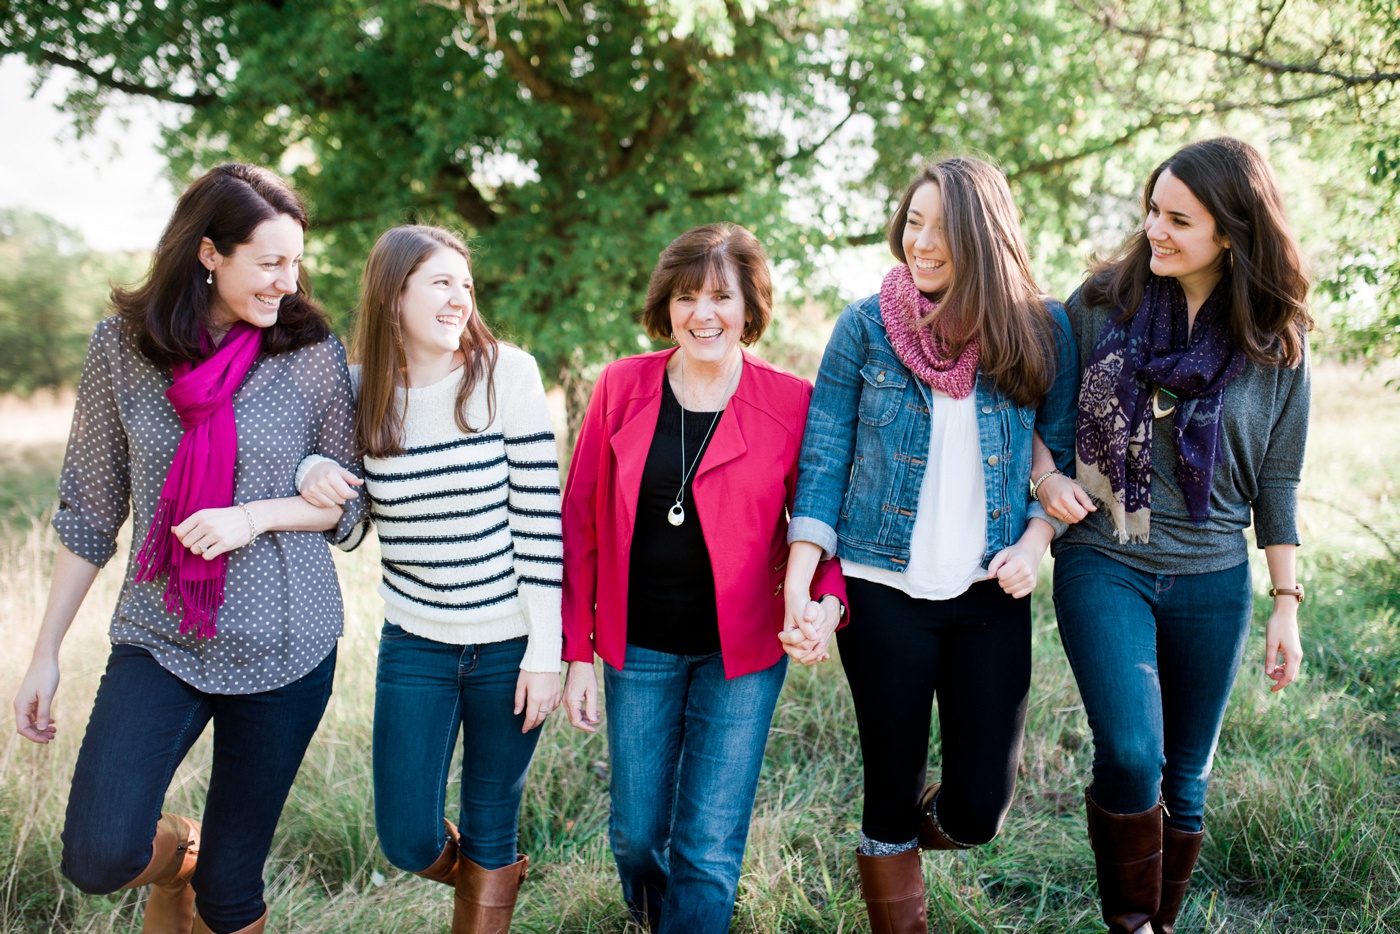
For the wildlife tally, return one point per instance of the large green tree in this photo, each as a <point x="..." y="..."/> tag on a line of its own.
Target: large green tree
<point x="572" y="140"/>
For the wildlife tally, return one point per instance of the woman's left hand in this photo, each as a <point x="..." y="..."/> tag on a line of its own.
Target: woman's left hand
<point x="536" y="694"/>
<point x="1281" y="638"/>
<point x="807" y="633"/>
<point x="212" y="532"/>
<point x="1015" y="569"/>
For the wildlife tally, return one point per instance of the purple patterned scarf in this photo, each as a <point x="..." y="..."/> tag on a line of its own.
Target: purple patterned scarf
<point x="200" y="477"/>
<point x="1113" y="443"/>
<point x="903" y="306"/>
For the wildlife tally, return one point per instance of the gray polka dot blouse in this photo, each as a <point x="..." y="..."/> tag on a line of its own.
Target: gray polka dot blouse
<point x="282" y="611"/>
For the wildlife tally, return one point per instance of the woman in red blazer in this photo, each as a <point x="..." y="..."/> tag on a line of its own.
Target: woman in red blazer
<point x="675" y="542"/>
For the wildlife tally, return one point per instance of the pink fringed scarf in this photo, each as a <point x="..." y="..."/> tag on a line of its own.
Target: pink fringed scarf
<point x="903" y="306"/>
<point x="201" y="477"/>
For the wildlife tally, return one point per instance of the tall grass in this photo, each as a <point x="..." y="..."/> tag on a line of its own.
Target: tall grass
<point x="1303" y="815"/>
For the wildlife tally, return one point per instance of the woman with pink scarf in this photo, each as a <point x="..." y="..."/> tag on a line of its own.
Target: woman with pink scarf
<point x="198" y="399"/>
<point x="914" y="472"/>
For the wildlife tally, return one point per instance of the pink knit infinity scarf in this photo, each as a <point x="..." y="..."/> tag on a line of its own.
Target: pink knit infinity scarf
<point x="902" y="306"/>
<point x="201" y="477"/>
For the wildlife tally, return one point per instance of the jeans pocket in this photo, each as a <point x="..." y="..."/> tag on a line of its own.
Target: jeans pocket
<point x="392" y="631"/>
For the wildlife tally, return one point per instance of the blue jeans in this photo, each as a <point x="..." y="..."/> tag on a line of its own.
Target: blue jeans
<point x="687" y="748"/>
<point x="1155" y="656"/>
<point x="425" y="693"/>
<point x="144" y="720"/>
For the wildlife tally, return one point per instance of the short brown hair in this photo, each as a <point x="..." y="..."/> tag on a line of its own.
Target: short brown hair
<point x="693" y="257"/>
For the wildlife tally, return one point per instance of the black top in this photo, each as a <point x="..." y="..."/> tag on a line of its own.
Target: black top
<point x="670" y="585"/>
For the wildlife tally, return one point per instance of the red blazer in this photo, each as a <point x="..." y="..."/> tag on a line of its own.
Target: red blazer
<point x="743" y="491"/>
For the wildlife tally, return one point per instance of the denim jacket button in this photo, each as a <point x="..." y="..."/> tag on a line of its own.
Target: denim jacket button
<point x="881" y="377"/>
<point x="986" y="410"/>
<point x="996" y="513"/>
<point x="993" y="461"/>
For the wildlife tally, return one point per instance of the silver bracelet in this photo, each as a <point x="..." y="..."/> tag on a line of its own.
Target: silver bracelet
<point x="252" y="526"/>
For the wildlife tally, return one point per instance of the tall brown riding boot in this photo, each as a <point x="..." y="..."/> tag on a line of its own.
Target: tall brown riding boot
<point x="486" y="898"/>
<point x="444" y="868"/>
<point x="893" y="887"/>
<point x="931" y="835"/>
<point x="255" y="928"/>
<point x="174" y="850"/>
<point x="1179" y="853"/>
<point x="1128" y="857"/>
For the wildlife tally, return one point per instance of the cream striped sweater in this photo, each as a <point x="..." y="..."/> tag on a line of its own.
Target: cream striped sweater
<point x="468" y="524"/>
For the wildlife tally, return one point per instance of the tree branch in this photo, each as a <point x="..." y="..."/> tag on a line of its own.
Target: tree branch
<point x="108" y="78"/>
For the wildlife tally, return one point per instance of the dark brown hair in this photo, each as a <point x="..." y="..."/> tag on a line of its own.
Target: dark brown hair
<point x="378" y="343"/>
<point x="993" y="296"/>
<point x="700" y="253"/>
<point x="1264" y="271"/>
<point x="169" y="311"/>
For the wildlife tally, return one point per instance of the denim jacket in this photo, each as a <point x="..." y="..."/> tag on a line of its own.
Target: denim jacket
<point x="866" y="447"/>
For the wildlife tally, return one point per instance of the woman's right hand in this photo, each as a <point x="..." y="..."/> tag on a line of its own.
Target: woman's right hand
<point x="329" y="484"/>
<point x="34" y="700"/>
<point x="1064" y="499"/>
<point x="581" y="696"/>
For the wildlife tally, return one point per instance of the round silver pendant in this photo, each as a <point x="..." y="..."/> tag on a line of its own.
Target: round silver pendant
<point x="675" y="515"/>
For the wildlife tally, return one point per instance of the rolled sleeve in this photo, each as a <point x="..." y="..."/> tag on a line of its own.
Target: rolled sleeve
<point x="94" y="487"/>
<point x="1275" y="506"/>
<point x="335" y="439"/>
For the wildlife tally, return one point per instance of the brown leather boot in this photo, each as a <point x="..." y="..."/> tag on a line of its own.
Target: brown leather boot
<point x="174" y="851"/>
<point x="255" y="928"/>
<point x="485" y="899"/>
<point x="1128" y="857"/>
<point x="1179" y="853"/>
<point x="931" y="835"/>
<point x="444" y="868"/>
<point x="893" y="887"/>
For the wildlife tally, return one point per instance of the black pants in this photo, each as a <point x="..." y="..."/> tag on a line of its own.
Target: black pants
<point x="974" y="653"/>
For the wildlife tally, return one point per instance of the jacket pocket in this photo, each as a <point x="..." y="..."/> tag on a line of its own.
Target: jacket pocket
<point x="880" y="394"/>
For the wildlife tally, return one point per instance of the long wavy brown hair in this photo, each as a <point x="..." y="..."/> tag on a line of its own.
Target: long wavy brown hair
<point x="169" y="311"/>
<point x="378" y="342"/>
<point x="1263" y="268"/>
<point x="993" y="296"/>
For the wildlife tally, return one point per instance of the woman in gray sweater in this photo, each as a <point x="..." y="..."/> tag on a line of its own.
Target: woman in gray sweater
<point x="1193" y="413"/>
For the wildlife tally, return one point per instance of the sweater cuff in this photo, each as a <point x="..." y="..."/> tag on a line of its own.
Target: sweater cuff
<point x="546" y="640"/>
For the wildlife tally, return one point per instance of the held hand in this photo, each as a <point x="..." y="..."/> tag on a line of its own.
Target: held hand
<point x="1281" y="639"/>
<point x="329" y="484"/>
<point x="536" y="694"/>
<point x="581" y="696"/>
<point x="807" y="641"/>
<point x="1064" y="499"/>
<point x="34" y="700"/>
<point x="1015" y="570"/>
<point x="212" y="532"/>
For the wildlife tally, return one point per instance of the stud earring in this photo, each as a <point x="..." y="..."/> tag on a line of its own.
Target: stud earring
<point x="209" y="279"/>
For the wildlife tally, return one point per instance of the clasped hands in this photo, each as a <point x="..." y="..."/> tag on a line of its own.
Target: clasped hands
<point x="807" y="627"/>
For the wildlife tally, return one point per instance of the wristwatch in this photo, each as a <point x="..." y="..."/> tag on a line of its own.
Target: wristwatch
<point x="1296" y="591"/>
<point x="1035" y="484"/>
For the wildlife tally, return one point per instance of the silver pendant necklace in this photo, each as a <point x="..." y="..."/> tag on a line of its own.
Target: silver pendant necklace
<point x="676" y="514"/>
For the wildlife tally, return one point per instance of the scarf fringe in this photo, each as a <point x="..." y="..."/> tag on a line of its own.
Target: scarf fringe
<point x="155" y="557"/>
<point x="200" y="601"/>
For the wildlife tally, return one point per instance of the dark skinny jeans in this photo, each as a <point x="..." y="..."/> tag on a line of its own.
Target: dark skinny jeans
<point x="973" y="653"/>
<point x="144" y="720"/>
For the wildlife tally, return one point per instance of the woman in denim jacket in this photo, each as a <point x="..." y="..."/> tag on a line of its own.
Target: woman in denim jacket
<point x="914" y="471"/>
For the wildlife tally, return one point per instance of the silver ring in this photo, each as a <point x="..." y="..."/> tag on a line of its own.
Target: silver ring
<point x="197" y="549"/>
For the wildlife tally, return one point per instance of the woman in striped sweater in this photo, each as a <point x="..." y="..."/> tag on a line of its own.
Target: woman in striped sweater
<point x="463" y="482"/>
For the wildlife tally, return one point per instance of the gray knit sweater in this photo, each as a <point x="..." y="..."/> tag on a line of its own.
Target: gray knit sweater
<point x="1262" y="438"/>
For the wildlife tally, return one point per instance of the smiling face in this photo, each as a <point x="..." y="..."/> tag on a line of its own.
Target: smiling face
<point x="708" y="322"/>
<point x="1182" y="235"/>
<point x="926" y="250"/>
<point x="250" y="283"/>
<point x="436" y="302"/>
